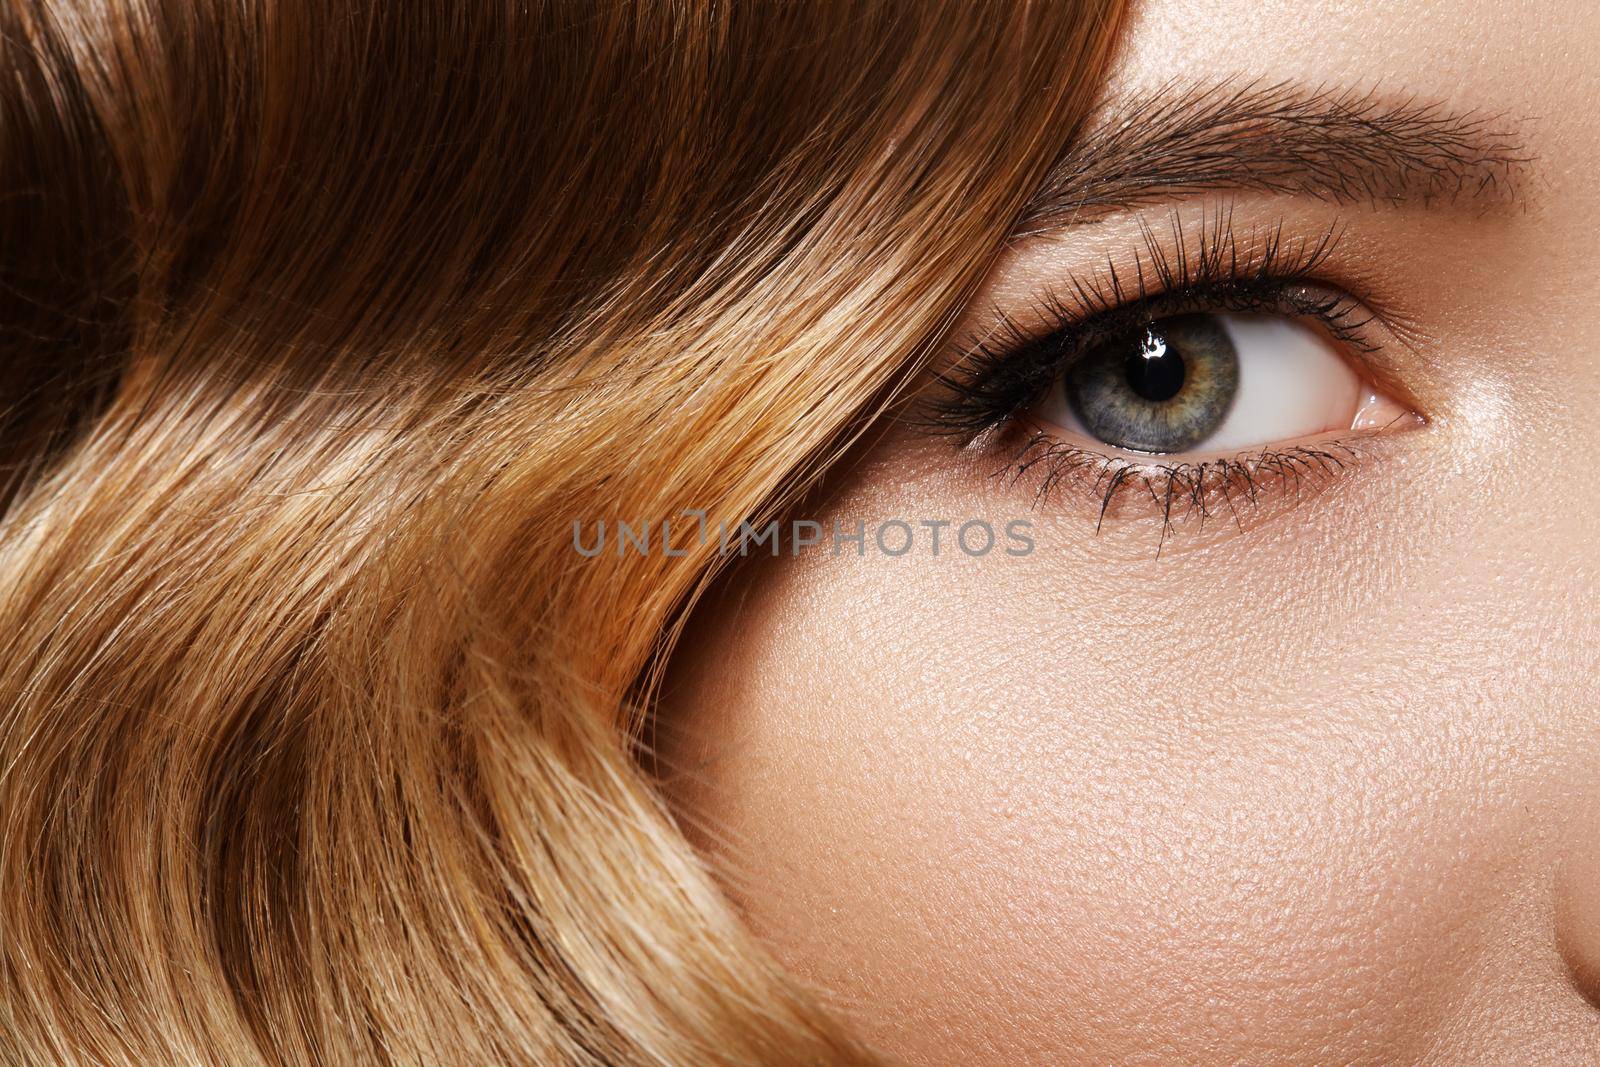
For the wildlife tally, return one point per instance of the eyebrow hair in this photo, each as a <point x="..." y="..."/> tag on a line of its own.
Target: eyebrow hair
<point x="1343" y="146"/>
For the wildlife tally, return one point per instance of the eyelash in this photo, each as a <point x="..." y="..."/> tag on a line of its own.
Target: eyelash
<point x="999" y="377"/>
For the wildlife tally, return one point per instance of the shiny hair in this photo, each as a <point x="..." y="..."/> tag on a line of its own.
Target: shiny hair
<point x="322" y="323"/>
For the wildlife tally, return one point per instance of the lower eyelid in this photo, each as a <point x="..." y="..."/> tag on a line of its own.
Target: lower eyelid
<point x="1228" y="491"/>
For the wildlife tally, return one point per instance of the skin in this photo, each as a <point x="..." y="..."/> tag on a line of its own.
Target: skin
<point x="1322" y="786"/>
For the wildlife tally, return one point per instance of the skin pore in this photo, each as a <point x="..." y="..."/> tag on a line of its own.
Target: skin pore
<point x="1315" y="781"/>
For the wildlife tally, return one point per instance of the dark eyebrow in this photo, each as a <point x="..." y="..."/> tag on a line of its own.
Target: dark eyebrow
<point x="1343" y="146"/>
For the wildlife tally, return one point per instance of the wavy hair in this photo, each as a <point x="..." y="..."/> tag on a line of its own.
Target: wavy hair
<point x="321" y="322"/>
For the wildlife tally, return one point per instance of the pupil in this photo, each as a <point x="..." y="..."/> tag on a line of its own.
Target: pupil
<point x="1154" y="371"/>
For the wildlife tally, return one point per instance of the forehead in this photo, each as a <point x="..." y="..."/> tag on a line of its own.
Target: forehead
<point x="1503" y="55"/>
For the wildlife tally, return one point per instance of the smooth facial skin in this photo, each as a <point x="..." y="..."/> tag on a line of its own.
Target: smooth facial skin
<point x="1321" y="785"/>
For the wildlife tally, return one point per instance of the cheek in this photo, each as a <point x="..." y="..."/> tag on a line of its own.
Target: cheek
<point x="1031" y="811"/>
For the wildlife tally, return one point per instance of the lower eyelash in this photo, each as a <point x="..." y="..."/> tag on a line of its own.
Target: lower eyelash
<point x="1174" y="492"/>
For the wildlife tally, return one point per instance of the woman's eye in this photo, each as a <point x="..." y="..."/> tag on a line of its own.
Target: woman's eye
<point x="1217" y="382"/>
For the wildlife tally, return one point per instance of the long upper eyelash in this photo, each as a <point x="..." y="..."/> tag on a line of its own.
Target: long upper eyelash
<point x="1001" y="375"/>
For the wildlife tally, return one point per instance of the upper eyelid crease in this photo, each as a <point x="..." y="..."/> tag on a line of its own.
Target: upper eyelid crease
<point x="1165" y="265"/>
<point x="1339" y="145"/>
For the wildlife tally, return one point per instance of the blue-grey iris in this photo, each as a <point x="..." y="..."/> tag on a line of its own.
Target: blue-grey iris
<point x="1164" y="387"/>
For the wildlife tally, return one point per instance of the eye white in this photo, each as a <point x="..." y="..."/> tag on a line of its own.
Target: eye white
<point x="1292" y="383"/>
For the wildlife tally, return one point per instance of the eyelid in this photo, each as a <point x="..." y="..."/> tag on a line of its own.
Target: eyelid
<point x="985" y="395"/>
<point x="1234" y="491"/>
<point x="1188" y="262"/>
<point x="996" y="379"/>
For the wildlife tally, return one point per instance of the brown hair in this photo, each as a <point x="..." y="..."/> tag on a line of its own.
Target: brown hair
<point x="322" y="322"/>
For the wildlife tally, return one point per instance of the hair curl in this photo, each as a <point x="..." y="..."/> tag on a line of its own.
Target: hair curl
<point x="320" y="323"/>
